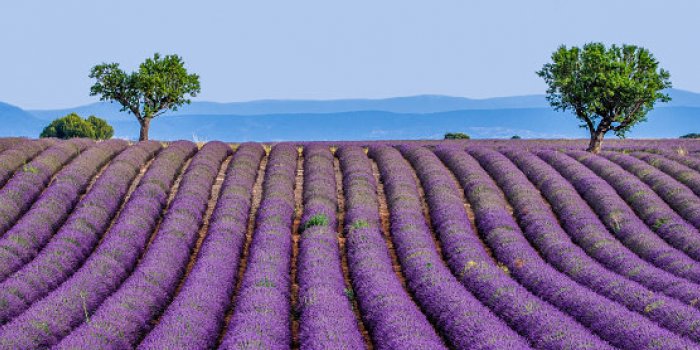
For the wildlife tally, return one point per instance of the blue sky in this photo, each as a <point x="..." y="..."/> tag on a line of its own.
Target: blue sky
<point x="321" y="49"/>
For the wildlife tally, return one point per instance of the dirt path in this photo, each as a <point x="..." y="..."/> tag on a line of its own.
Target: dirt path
<point x="298" y="211"/>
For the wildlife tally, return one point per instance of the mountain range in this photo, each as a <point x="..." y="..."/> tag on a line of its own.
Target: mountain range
<point x="414" y="117"/>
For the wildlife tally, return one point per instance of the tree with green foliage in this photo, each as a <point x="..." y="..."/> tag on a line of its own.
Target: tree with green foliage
<point x="609" y="89"/>
<point x="159" y="85"/>
<point x="72" y="125"/>
<point x="103" y="130"/>
<point x="515" y="137"/>
<point x="692" y="135"/>
<point x="456" y="136"/>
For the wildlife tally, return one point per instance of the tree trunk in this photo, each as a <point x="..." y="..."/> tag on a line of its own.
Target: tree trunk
<point x="596" y="141"/>
<point x="145" y="124"/>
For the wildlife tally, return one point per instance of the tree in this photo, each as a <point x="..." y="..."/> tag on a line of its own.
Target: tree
<point x="103" y="130"/>
<point x="72" y="125"/>
<point x="609" y="89"/>
<point x="160" y="84"/>
<point x="456" y="136"/>
<point x="692" y="135"/>
<point x="515" y="137"/>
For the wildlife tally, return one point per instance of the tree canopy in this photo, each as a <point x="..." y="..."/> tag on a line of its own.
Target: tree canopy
<point x="608" y="89"/>
<point x="456" y="136"/>
<point x="160" y="84"/>
<point x="72" y="125"/>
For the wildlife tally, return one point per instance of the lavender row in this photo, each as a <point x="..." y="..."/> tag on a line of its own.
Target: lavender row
<point x="261" y="313"/>
<point x="542" y="323"/>
<point x="392" y="318"/>
<point x="24" y="240"/>
<point x="542" y="229"/>
<point x="326" y="318"/>
<point x="589" y="233"/>
<point x="450" y="220"/>
<point x="18" y="154"/>
<point x="458" y="315"/>
<point x="620" y="219"/>
<point x="54" y="316"/>
<point x="643" y="200"/>
<point x="9" y="142"/>
<point x="612" y="322"/>
<point x="59" y="258"/>
<point x="670" y="183"/>
<point x="196" y="316"/>
<point x="686" y="160"/>
<point x="25" y="186"/>
<point x="123" y="318"/>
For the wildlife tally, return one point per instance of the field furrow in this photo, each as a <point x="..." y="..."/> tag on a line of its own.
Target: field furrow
<point x="195" y="317"/>
<point x="342" y="238"/>
<point x="644" y="200"/>
<point x="261" y="315"/>
<point x="676" y="183"/>
<point x="146" y="292"/>
<point x="539" y="321"/>
<point x="19" y="193"/>
<point x="18" y="154"/>
<point x="620" y="219"/>
<point x="478" y="244"/>
<point x="326" y="319"/>
<point x="34" y="229"/>
<point x="45" y="322"/>
<point x="392" y="318"/>
<point x="457" y="314"/>
<point x="544" y="232"/>
<point x="588" y="232"/>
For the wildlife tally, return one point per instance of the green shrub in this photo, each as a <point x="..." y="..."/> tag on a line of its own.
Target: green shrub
<point x="456" y="136"/>
<point x="316" y="220"/>
<point x="72" y="125"/>
<point x="692" y="135"/>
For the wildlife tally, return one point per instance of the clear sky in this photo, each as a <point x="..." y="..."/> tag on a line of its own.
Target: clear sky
<point x="326" y="49"/>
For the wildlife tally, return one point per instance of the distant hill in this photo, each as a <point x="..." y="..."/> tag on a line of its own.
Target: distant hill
<point x="377" y="125"/>
<point x="16" y="122"/>
<point x="412" y="104"/>
<point x="427" y="116"/>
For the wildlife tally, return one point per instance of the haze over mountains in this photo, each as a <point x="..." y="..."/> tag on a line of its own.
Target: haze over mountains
<point x="414" y="117"/>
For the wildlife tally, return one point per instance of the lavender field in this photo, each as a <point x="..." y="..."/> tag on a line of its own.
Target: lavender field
<point x="478" y="244"/>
